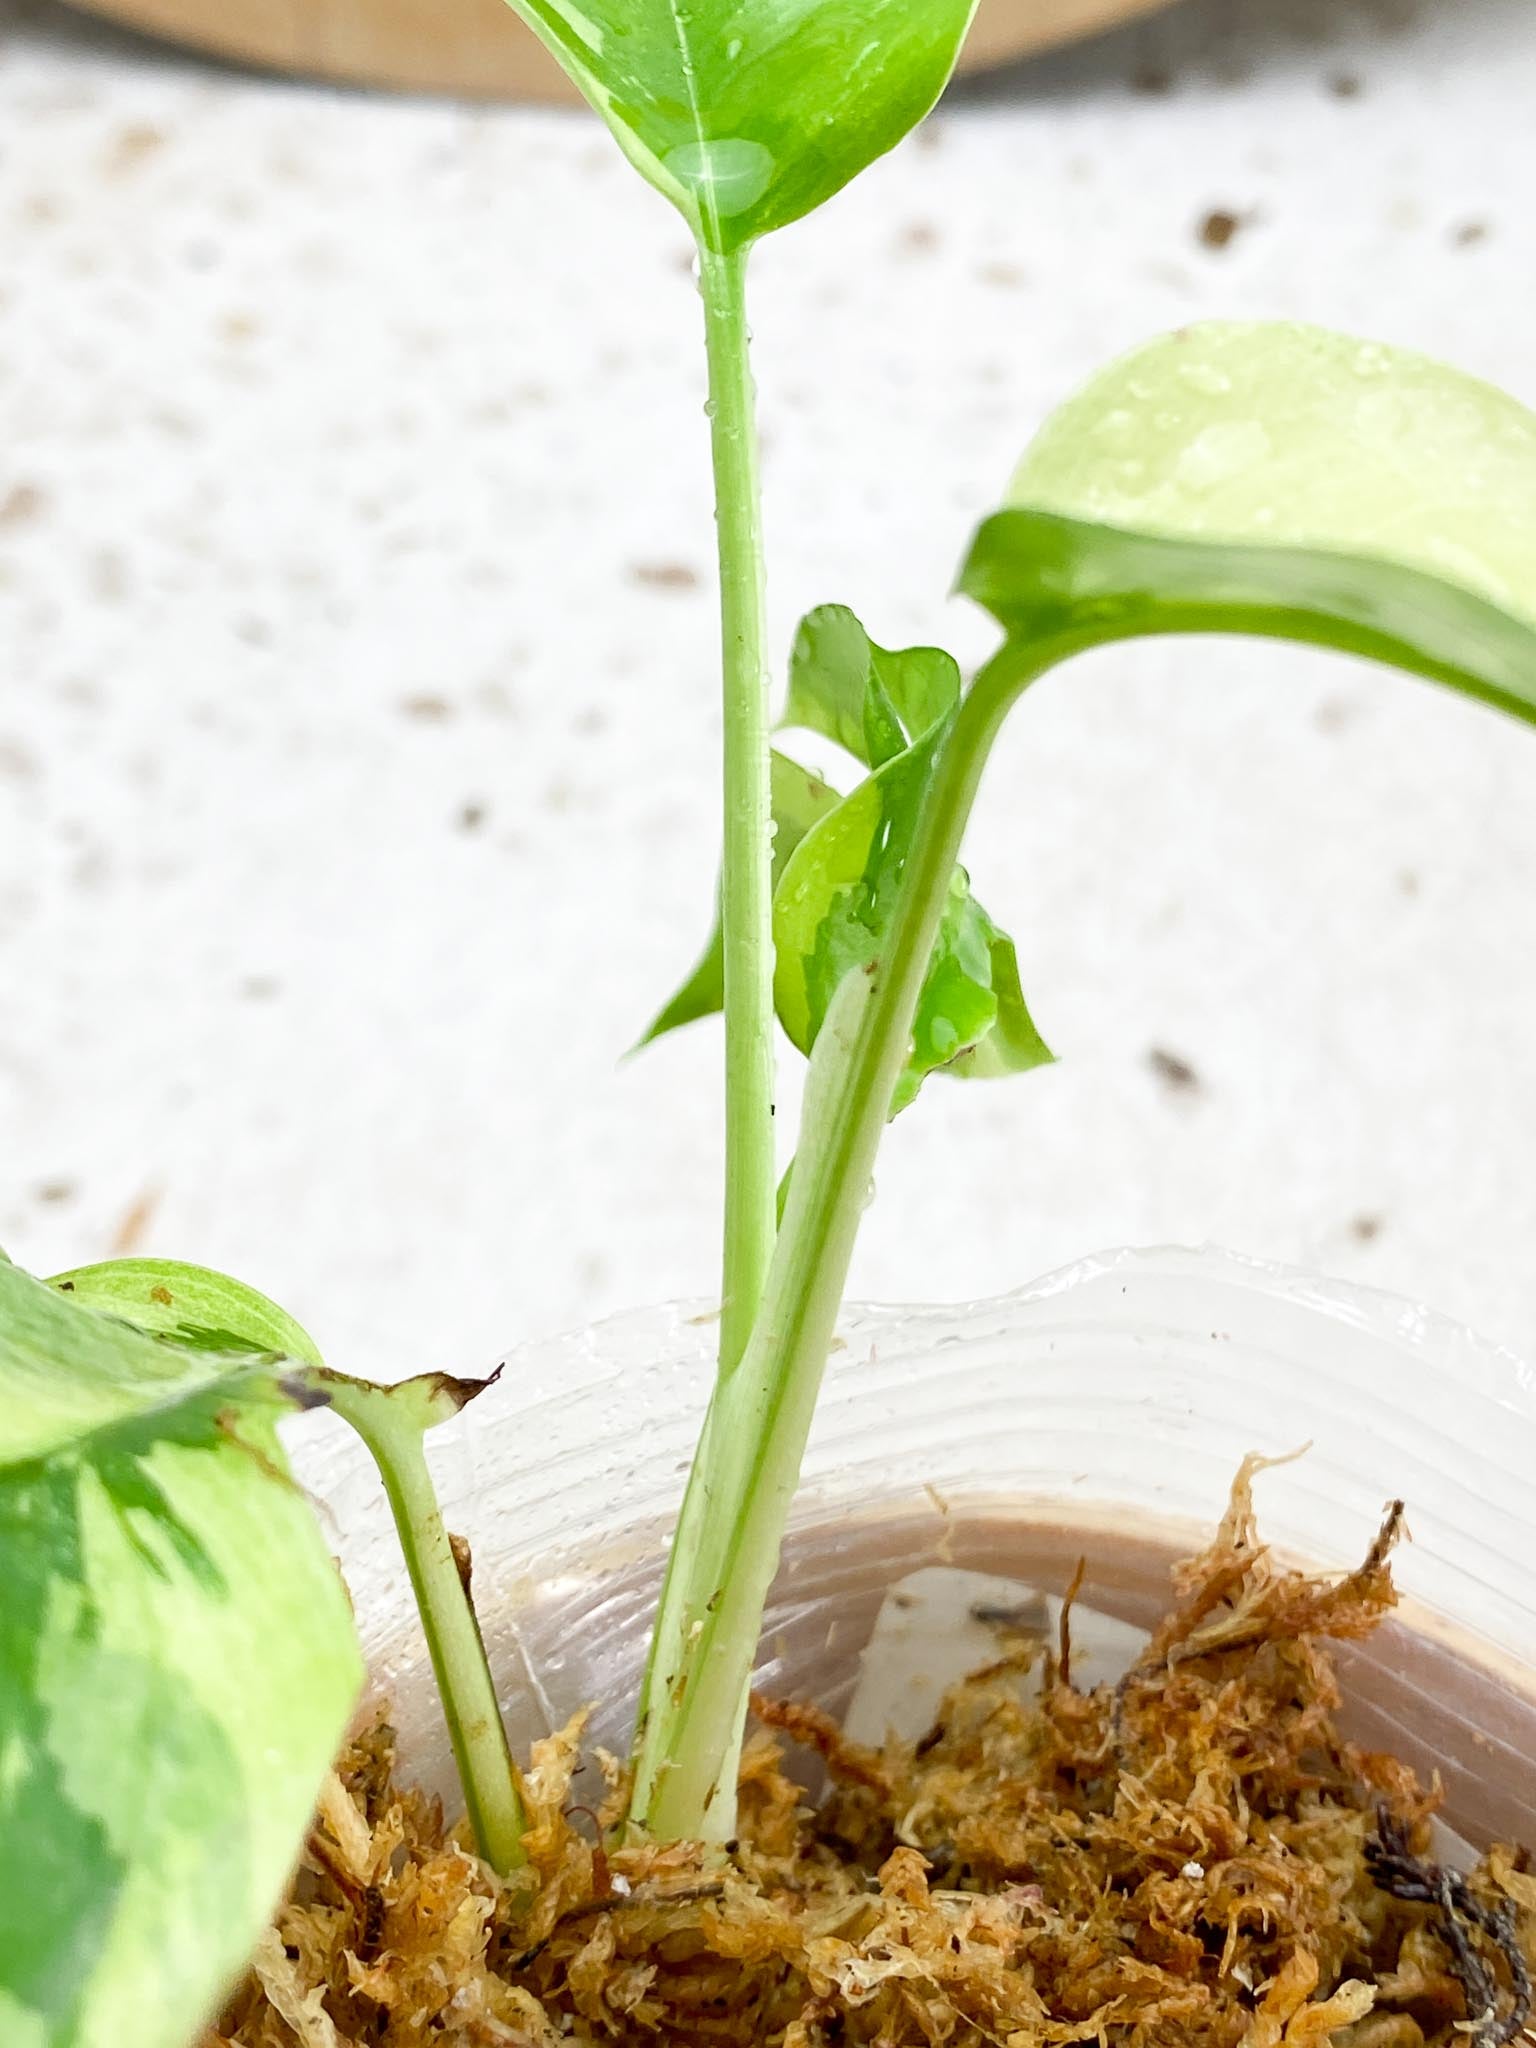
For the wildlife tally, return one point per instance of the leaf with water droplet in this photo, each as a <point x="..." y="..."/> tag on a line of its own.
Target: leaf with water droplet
<point x="1281" y="480"/>
<point x="749" y="114"/>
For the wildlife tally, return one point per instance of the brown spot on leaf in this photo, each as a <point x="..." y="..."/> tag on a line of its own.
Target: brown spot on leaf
<point x="161" y="1294"/>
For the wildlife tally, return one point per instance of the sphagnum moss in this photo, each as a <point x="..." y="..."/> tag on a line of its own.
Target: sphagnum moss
<point x="1191" y="1858"/>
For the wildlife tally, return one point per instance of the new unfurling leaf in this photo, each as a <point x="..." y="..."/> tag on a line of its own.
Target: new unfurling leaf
<point x="837" y="862"/>
<point x="832" y="909"/>
<point x="875" y="702"/>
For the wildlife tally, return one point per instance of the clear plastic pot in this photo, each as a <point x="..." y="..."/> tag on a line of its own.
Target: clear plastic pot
<point x="1099" y="1413"/>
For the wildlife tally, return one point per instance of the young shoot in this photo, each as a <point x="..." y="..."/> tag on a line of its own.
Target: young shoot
<point x="177" y="1663"/>
<point x="1337" y="530"/>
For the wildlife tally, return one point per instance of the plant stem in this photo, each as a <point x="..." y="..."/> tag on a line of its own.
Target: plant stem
<point x="748" y="1467"/>
<point x="746" y="884"/>
<point x="395" y="1435"/>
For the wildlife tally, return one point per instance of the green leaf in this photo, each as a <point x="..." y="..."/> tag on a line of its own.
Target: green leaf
<point x="889" y="709"/>
<point x="835" y="900"/>
<point x="192" y="1304"/>
<point x="1284" y="481"/>
<point x="800" y="797"/>
<point x="874" y="702"/>
<point x="177" y="1665"/>
<point x="195" y="1307"/>
<point x="748" y="114"/>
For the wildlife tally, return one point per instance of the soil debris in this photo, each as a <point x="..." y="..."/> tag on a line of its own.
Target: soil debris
<point x="666" y="575"/>
<point x="1219" y="228"/>
<point x="133" y="1225"/>
<point x="21" y="504"/>
<point x="1193" y="1858"/>
<point x="1175" y="1072"/>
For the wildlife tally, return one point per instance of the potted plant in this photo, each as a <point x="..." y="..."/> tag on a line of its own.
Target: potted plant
<point x="178" y="1665"/>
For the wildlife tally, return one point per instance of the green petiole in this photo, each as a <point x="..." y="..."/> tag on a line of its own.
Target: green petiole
<point x="747" y="1469"/>
<point x="393" y="1422"/>
<point x="746" y="890"/>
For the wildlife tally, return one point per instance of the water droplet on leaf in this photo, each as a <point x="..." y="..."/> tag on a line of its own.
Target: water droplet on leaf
<point x="1222" y="453"/>
<point x="1117" y="421"/>
<point x="1205" y="378"/>
<point x="725" y="176"/>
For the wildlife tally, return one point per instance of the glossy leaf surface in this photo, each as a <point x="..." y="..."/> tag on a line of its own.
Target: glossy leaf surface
<point x="873" y="701"/>
<point x="748" y="114"/>
<point x="1280" y="480"/>
<point x="192" y="1304"/>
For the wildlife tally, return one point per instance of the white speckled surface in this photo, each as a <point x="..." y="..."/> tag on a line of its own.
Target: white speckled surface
<point x="355" y="759"/>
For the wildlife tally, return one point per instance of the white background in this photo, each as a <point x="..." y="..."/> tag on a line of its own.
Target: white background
<point x="357" y="736"/>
